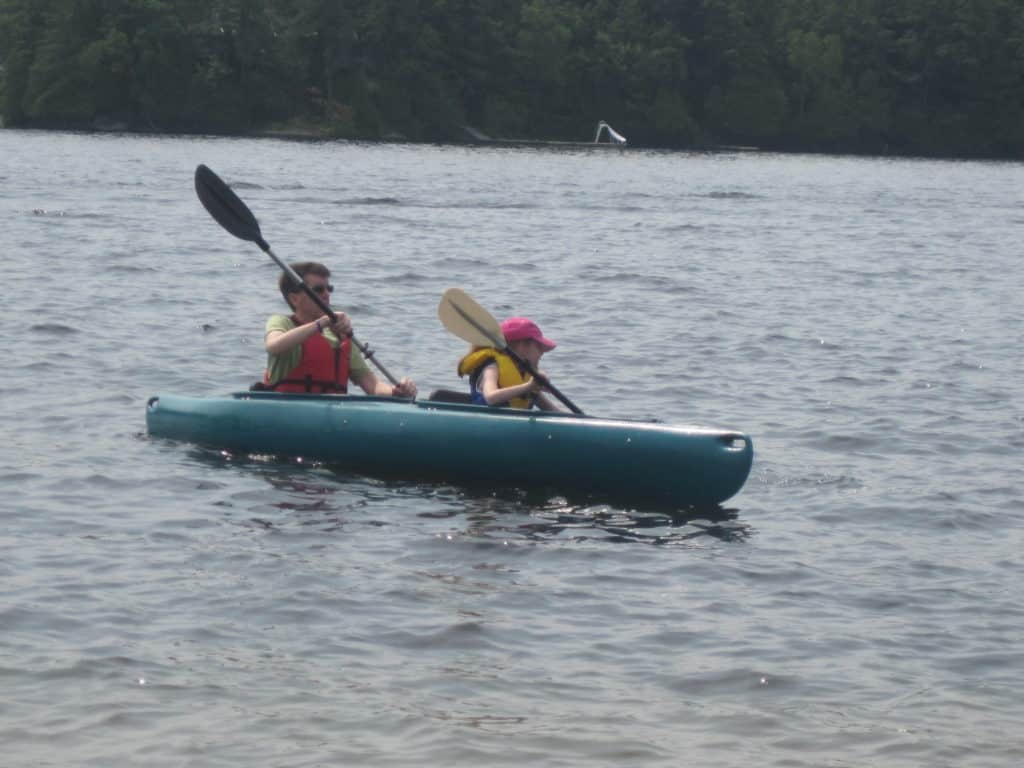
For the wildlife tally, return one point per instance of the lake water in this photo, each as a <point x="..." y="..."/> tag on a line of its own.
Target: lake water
<point x="858" y="603"/>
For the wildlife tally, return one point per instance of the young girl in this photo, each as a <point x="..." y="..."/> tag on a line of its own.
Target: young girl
<point x="496" y="379"/>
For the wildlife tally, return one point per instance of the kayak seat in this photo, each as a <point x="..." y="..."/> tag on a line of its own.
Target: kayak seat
<point x="450" y="396"/>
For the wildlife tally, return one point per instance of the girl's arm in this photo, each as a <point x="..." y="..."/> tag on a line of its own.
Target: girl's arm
<point x="499" y="396"/>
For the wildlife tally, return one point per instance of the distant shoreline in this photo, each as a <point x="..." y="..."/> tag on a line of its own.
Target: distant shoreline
<point x="310" y="134"/>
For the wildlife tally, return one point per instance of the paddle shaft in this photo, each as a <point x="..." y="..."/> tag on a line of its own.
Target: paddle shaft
<point x="523" y="364"/>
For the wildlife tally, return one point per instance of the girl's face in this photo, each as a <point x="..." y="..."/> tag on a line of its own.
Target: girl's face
<point x="528" y="349"/>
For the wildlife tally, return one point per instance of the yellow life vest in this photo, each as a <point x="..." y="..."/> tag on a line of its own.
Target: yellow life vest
<point x="509" y="374"/>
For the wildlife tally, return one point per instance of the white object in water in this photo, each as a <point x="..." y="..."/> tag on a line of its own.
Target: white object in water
<point x="613" y="136"/>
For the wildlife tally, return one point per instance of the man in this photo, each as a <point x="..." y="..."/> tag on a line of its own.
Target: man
<point x="306" y="352"/>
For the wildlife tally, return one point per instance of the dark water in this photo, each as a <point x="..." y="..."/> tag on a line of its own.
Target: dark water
<point x="858" y="603"/>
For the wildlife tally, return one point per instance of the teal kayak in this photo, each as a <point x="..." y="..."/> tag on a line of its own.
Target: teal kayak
<point x="568" y="454"/>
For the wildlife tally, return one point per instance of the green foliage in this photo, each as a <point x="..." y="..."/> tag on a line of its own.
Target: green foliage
<point x="915" y="76"/>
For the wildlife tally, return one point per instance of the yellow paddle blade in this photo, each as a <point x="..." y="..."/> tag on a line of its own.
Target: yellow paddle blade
<point x="469" y="321"/>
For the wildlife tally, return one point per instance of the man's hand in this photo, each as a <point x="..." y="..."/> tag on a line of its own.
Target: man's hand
<point x="404" y="388"/>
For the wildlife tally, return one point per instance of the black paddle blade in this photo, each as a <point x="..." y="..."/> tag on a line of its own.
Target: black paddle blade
<point x="226" y="208"/>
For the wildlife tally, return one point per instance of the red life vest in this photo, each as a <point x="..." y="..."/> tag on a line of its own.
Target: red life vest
<point x="322" y="370"/>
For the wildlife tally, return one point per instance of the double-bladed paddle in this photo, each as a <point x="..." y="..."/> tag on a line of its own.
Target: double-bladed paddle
<point x="471" y="322"/>
<point x="234" y="215"/>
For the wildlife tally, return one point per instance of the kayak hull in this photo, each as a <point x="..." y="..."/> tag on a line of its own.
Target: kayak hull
<point x="568" y="454"/>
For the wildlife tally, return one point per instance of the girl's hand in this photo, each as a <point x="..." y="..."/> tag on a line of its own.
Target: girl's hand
<point x="540" y="381"/>
<point x="531" y="386"/>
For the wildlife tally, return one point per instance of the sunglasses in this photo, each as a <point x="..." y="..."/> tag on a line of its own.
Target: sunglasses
<point x="322" y="289"/>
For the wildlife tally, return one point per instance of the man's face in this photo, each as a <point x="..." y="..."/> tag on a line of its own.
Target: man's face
<point x="320" y="286"/>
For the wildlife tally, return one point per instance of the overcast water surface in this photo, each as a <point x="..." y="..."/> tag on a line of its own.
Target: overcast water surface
<point x="859" y="602"/>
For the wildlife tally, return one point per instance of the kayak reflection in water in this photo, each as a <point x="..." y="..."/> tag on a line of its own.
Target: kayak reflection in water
<point x="494" y="376"/>
<point x="306" y="352"/>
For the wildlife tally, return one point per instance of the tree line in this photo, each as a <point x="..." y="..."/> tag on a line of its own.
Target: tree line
<point x="923" y="77"/>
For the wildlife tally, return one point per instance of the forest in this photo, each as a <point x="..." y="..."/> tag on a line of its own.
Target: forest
<point x="913" y="77"/>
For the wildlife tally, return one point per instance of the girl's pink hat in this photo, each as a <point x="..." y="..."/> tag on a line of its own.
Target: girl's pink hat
<point x="516" y="328"/>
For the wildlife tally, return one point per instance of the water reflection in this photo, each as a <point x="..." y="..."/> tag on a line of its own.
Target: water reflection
<point x="536" y="515"/>
<point x="314" y="494"/>
<point x="628" y="526"/>
<point x="299" y="496"/>
<point x="500" y="513"/>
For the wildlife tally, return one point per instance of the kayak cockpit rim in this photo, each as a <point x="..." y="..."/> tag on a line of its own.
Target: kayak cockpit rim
<point x="732" y="439"/>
